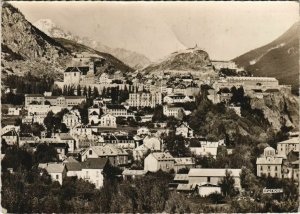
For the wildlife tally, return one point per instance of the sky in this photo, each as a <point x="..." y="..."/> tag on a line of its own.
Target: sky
<point x="224" y="29"/>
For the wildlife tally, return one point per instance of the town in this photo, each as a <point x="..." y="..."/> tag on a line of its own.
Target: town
<point x="149" y="107"/>
<point x="137" y="123"/>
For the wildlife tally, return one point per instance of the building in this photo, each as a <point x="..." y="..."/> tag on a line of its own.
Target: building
<point x="183" y="162"/>
<point x="84" y="130"/>
<point x="153" y="143"/>
<point x="292" y="144"/>
<point x="92" y="171"/>
<point x="11" y="137"/>
<point x="185" y="130"/>
<point x="72" y="118"/>
<point x="159" y="161"/>
<point x="142" y="99"/>
<point x="14" y="111"/>
<point x="248" y="83"/>
<point x="68" y="139"/>
<point x="140" y="152"/>
<point x="94" y="117"/>
<point x="143" y="131"/>
<point x="269" y="164"/>
<point x="117" y="110"/>
<point x="213" y="176"/>
<point x="129" y="174"/>
<point x="34" y="99"/>
<point x="173" y="111"/>
<point x="73" y="75"/>
<point x="57" y="171"/>
<point x="73" y="168"/>
<point x="224" y="64"/>
<point x="63" y="101"/>
<point x="205" y="151"/>
<point x="205" y="189"/>
<point x="178" y="98"/>
<point x="108" y="121"/>
<point x="105" y="79"/>
<point x="116" y="156"/>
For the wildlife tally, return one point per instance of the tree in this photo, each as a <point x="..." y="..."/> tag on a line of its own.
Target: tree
<point x="45" y="153"/>
<point x="16" y="158"/>
<point x="78" y="90"/>
<point x="227" y="184"/>
<point x="96" y="92"/>
<point x="85" y="91"/>
<point x="175" y="144"/>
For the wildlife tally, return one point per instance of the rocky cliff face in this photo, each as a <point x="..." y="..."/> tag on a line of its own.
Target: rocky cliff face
<point x="26" y="48"/>
<point x="281" y="108"/>
<point x="191" y="59"/>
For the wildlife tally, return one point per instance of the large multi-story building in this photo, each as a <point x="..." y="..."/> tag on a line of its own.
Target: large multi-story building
<point x="142" y="99"/>
<point x="248" y="83"/>
<point x="117" y="110"/>
<point x="292" y="144"/>
<point x="178" y="98"/>
<point x="159" y="161"/>
<point x="269" y="164"/>
<point x="72" y="118"/>
<point x="173" y="111"/>
<point x="116" y="156"/>
<point x="108" y="121"/>
<point x="63" y="101"/>
<point x="73" y="75"/>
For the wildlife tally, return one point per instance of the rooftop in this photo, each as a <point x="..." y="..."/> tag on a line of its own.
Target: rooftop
<point x="94" y="163"/>
<point x="162" y="156"/>
<point x="212" y="172"/>
<point x="134" y="172"/>
<point x="53" y="167"/>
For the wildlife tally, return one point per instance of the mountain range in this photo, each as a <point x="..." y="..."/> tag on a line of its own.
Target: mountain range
<point x="25" y="48"/>
<point x="279" y="59"/>
<point x="131" y="58"/>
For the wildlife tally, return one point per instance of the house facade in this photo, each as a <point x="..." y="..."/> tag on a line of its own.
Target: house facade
<point x="142" y="99"/>
<point x="108" y="121"/>
<point x="269" y="164"/>
<point x="116" y="156"/>
<point x="57" y="171"/>
<point x="159" y="161"/>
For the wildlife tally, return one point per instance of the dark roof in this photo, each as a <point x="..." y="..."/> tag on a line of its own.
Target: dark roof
<point x="66" y="97"/>
<point x="10" y="133"/>
<point x="94" y="113"/>
<point x="34" y="95"/>
<point x="118" y="137"/>
<point x="272" y="90"/>
<point x="26" y="134"/>
<point x="73" y="166"/>
<point x="94" y="163"/>
<point x="111" y="106"/>
<point x="83" y="70"/>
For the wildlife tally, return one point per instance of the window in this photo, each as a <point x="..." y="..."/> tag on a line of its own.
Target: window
<point x="57" y="177"/>
<point x="208" y="179"/>
<point x="269" y="167"/>
<point x="261" y="168"/>
<point x="276" y="168"/>
<point x="90" y="152"/>
<point x="276" y="174"/>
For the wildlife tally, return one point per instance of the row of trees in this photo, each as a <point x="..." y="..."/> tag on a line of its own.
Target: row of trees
<point x="29" y="84"/>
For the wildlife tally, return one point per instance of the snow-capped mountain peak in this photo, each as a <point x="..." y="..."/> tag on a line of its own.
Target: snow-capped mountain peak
<point x="51" y="29"/>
